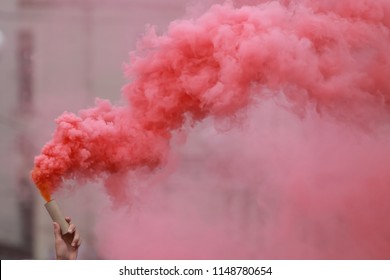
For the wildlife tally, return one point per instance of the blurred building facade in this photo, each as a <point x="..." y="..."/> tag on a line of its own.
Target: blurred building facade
<point x="56" y="55"/>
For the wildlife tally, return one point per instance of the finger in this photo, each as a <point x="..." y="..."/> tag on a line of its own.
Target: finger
<point x="68" y="219"/>
<point x="76" y="240"/>
<point x="57" y="231"/>
<point x="71" y="228"/>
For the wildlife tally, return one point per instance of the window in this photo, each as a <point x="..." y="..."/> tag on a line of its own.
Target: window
<point x="25" y="71"/>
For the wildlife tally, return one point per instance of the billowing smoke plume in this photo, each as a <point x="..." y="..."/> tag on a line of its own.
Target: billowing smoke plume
<point x="324" y="63"/>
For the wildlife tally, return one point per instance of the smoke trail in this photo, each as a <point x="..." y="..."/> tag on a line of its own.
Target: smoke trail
<point x="325" y="61"/>
<point x="334" y="56"/>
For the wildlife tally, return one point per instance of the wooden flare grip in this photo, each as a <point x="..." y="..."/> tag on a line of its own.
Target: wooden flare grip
<point x="56" y="215"/>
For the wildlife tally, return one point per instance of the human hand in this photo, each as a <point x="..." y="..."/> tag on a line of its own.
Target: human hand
<point x="66" y="245"/>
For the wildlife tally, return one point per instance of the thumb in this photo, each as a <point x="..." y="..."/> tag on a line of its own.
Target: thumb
<point x="57" y="230"/>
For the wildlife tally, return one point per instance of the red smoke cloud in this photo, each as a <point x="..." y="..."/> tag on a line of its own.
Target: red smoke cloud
<point x="325" y="60"/>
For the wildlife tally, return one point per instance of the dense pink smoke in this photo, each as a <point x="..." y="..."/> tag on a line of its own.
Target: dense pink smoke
<point x="323" y="190"/>
<point x="277" y="187"/>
